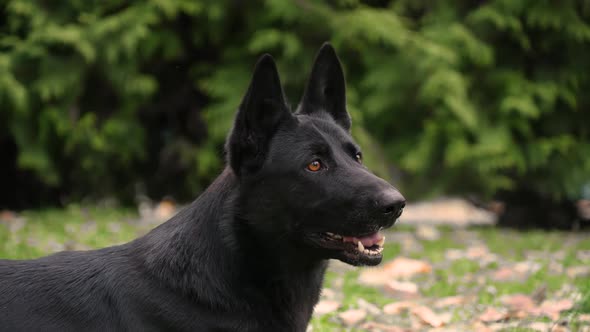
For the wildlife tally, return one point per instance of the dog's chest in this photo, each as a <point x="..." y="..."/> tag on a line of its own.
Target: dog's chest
<point x="293" y="300"/>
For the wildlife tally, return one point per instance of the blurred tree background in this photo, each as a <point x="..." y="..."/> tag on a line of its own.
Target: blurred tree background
<point x="112" y="98"/>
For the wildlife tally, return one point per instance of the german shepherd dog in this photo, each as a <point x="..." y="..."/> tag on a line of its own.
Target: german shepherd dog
<point x="249" y="254"/>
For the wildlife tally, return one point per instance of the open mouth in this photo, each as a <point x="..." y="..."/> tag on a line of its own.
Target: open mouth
<point x="364" y="249"/>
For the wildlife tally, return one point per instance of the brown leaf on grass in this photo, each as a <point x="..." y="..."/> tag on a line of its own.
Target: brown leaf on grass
<point x="476" y="252"/>
<point x="368" y="306"/>
<point x="374" y="277"/>
<point x="480" y="327"/>
<point x="524" y="268"/>
<point x="552" y="308"/>
<point x="578" y="272"/>
<point x="540" y="326"/>
<point x="446" y="317"/>
<point x="518" y="302"/>
<point x="397" y="308"/>
<point x="325" y="307"/>
<point x="492" y="315"/>
<point x="399" y="268"/>
<point x="402" y="289"/>
<point x="426" y="315"/>
<point x="402" y="267"/>
<point x="328" y="293"/>
<point x="372" y="326"/>
<point x="559" y="305"/>
<point x="508" y="274"/>
<point x="353" y="316"/>
<point x="427" y="232"/>
<point x="454" y="254"/>
<point x="450" y="301"/>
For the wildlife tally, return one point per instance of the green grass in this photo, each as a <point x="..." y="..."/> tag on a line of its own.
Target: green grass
<point x="40" y="233"/>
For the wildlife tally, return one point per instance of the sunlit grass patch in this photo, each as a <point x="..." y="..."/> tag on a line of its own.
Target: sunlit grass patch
<point x="35" y="234"/>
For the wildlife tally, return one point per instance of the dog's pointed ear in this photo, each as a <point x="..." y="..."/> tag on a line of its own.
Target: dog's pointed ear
<point x="326" y="89"/>
<point x="260" y="113"/>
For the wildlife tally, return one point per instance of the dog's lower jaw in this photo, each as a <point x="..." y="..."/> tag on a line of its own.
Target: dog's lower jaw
<point x="358" y="259"/>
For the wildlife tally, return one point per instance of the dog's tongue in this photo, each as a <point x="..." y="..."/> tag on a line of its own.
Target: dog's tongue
<point x="367" y="240"/>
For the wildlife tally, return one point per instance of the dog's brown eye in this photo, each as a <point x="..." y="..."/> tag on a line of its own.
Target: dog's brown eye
<point x="314" y="166"/>
<point x="359" y="157"/>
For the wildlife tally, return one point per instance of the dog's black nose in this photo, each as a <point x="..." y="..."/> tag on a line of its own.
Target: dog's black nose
<point x="391" y="202"/>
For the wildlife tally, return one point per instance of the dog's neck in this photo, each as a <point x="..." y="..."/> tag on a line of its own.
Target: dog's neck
<point x="176" y="251"/>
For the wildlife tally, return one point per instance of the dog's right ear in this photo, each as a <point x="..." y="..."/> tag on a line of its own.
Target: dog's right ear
<point x="261" y="111"/>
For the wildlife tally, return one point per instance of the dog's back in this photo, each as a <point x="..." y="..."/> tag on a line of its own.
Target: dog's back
<point x="77" y="291"/>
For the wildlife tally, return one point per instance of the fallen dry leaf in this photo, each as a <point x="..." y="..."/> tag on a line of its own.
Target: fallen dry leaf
<point x="372" y="326"/>
<point x="402" y="267"/>
<point x="325" y="307"/>
<point x="492" y="315"/>
<point x="540" y="326"/>
<point x="454" y="254"/>
<point x="328" y="293"/>
<point x="560" y="305"/>
<point x="398" y="307"/>
<point x="508" y="274"/>
<point x="446" y="317"/>
<point x="399" y="268"/>
<point x="353" y="316"/>
<point x="480" y="327"/>
<point x="518" y="302"/>
<point x="428" y="233"/>
<point x="427" y="316"/>
<point x="450" y="301"/>
<point x="523" y="268"/>
<point x="374" y="277"/>
<point x="403" y="289"/>
<point x="476" y="252"/>
<point x="552" y="309"/>
<point x="368" y="306"/>
<point x="578" y="272"/>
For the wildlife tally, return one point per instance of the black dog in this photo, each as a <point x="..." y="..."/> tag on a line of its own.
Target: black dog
<point x="250" y="253"/>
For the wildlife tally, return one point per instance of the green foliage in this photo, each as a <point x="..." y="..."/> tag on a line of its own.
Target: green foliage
<point x="459" y="96"/>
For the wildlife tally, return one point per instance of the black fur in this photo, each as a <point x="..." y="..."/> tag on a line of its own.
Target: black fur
<point x="246" y="255"/>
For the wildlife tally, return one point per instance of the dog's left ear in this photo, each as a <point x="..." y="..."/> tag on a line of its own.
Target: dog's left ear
<point x="260" y="113"/>
<point x="326" y="89"/>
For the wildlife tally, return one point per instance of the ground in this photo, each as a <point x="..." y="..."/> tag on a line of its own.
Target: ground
<point x="433" y="277"/>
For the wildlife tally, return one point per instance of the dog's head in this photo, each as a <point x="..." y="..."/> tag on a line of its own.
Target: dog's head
<point x="302" y="180"/>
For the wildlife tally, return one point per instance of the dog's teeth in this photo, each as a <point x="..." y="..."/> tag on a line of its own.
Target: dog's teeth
<point x="338" y="237"/>
<point x="366" y="251"/>
<point x="360" y="246"/>
<point x="330" y="234"/>
<point x="381" y="242"/>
